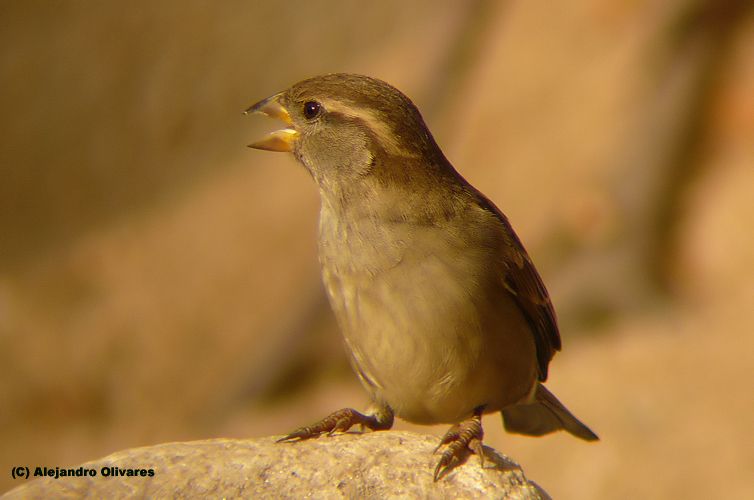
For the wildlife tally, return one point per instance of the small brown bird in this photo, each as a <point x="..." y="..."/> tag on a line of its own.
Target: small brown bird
<point x="443" y="314"/>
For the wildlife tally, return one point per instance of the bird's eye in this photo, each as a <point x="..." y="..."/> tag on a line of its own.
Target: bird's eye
<point x="312" y="109"/>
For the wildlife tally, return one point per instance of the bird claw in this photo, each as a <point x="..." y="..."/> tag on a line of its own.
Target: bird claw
<point x="339" y="421"/>
<point x="449" y="436"/>
<point x="461" y="440"/>
<point x="300" y="433"/>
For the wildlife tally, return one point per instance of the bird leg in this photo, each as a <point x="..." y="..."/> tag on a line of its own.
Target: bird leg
<point x="461" y="439"/>
<point x="341" y="421"/>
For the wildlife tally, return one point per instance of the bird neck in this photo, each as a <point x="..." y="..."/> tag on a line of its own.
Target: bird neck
<point x="403" y="191"/>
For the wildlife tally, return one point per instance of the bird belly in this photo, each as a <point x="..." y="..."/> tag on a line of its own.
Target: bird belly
<point x="433" y="338"/>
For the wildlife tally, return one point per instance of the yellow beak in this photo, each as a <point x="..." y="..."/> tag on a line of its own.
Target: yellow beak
<point x="281" y="140"/>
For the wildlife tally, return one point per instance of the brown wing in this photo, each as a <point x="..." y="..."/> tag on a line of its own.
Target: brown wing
<point x="526" y="286"/>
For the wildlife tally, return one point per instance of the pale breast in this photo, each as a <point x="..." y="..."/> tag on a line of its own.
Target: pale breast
<point x="428" y="323"/>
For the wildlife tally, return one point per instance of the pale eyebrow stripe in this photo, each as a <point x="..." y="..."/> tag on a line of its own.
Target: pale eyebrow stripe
<point x="373" y="120"/>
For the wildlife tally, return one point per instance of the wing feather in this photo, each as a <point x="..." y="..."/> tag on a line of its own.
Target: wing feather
<point x="522" y="280"/>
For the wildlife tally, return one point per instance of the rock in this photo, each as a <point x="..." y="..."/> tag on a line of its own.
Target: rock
<point x="386" y="464"/>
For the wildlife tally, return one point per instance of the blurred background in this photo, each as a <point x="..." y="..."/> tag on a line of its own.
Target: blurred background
<point x="159" y="280"/>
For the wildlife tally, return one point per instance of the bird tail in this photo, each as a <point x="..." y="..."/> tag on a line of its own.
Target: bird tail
<point x="543" y="416"/>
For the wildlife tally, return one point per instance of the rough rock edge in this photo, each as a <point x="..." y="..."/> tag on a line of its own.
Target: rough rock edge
<point x="373" y="465"/>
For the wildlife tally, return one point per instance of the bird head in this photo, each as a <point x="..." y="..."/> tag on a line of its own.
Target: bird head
<point x="343" y="127"/>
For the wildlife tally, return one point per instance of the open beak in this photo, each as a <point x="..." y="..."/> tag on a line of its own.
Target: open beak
<point x="281" y="140"/>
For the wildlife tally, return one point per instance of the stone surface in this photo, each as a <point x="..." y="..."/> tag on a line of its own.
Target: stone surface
<point x="372" y="465"/>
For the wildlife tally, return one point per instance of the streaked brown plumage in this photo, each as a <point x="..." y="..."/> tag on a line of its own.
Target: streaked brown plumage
<point x="442" y="311"/>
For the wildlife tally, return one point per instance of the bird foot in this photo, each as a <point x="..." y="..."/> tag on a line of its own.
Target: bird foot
<point x="339" y="421"/>
<point x="461" y="439"/>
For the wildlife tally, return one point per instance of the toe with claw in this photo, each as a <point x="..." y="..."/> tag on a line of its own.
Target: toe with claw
<point x="460" y="440"/>
<point x="340" y="421"/>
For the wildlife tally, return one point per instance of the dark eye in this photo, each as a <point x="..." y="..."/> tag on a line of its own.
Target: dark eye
<point x="312" y="109"/>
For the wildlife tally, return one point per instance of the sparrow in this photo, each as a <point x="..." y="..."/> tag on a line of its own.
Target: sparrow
<point x="443" y="314"/>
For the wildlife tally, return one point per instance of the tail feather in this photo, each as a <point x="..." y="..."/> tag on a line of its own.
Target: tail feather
<point x="545" y="415"/>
